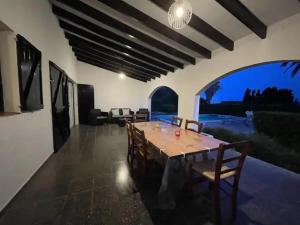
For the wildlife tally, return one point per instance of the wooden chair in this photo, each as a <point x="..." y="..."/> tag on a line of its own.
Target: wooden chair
<point x="130" y="141"/>
<point x="177" y="121"/>
<point x="195" y="123"/>
<point x="217" y="170"/>
<point x="141" y="151"/>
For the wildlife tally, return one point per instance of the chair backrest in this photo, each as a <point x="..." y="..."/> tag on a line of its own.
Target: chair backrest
<point x="195" y="123"/>
<point x="143" y="111"/>
<point x="139" y="140"/>
<point x="243" y="147"/>
<point x="177" y="121"/>
<point x="95" y="112"/>
<point x="129" y="132"/>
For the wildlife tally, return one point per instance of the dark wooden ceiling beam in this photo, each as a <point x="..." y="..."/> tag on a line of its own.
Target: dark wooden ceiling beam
<point x="104" y="52"/>
<point x="115" y="63"/>
<point x="148" y="21"/>
<point x="112" y="69"/>
<point x="109" y="68"/>
<point x="110" y="35"/>
<point x="201" y="26"/>
<point x="114" y="23"/>
<point x="241" y="12"/>
<point x="115" y="60"/>
<point x="117" y="69"/>
<point x="134" y="54"/>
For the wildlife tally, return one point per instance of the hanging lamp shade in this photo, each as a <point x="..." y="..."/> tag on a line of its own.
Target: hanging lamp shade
<point x="180" y="14"/>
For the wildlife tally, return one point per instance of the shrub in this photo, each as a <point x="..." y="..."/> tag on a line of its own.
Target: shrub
<point x="282" y="126"/>
<point x="239" y="109"/>
<point x="264" y="148"/>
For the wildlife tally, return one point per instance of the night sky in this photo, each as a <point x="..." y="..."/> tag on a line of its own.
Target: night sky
<point x="259" y="77"/>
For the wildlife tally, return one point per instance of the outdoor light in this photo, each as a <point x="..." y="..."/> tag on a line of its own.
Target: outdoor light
<point x="180" y="14"/>
<point x="122" y="76"/>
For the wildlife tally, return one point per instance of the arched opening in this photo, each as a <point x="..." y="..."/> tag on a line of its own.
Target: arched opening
<point x="163" y="103"/>
<point x="260" y="103"/>
<point x="277" y="71"/>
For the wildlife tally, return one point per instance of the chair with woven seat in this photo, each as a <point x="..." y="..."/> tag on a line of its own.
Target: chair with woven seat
<point x="141" y="150"/>
<point x="217" y="171"/>
<point x="176" y="121"/>
<point x="195" y="124"/>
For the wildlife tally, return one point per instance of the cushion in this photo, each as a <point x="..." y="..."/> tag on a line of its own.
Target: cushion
<point x="115" y="112"/>
<point x="126" y="112"/>
<point x="101" y="117"/>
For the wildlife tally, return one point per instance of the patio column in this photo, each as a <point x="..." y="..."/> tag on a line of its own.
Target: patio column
<point x="186" y="107"/>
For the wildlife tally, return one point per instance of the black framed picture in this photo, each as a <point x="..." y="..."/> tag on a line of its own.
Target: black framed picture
<point x="30" y="75"/>
<point x="1" y="93"/>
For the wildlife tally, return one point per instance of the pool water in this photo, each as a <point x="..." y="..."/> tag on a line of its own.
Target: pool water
<point x="202" y="117"/>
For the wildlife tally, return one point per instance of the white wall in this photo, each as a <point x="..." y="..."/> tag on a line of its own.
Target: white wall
<point x="110" y="91"/>
<point x="282" y="43"/>
<point x="26" y="139"/>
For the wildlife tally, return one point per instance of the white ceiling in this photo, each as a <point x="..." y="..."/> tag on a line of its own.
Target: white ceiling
<point x="272" y="11"/>
<point x="268" y="11"/>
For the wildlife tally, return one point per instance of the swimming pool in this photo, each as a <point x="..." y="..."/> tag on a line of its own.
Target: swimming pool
<point x="205" y="118"/>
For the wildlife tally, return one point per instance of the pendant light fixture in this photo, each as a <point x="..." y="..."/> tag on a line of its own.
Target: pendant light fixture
<point x="180" y="14"/>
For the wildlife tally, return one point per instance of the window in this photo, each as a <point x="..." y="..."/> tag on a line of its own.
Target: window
<point x="30" y="75"/>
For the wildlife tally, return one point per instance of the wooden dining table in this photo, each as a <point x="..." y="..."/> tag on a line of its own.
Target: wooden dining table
<point x="162" y="136"/>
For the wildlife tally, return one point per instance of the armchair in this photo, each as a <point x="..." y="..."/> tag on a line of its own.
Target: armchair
<point x="97" y="117"/>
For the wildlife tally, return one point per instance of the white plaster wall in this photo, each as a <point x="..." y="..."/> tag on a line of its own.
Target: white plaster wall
<point x="282" y="43"/>
<point x="26" y="139"/>
<point x="110" y="91"/>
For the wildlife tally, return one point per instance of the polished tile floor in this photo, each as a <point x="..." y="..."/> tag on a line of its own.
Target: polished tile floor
<point x="88" y="182"/>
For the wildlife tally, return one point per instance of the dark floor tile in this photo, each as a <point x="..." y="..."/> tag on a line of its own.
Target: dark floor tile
<point x="89" y="182"/>
<point x="77" y="209"/>
<point x="49" y="212"/>
<point x="81" y="184"/>
<point x="18" y="216"/>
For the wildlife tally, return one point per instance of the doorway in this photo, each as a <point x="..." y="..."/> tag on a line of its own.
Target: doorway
<point x="60" y="106"/>
<point x="85" y="102"/>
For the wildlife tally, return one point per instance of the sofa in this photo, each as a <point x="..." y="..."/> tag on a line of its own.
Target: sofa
<point x="97" y="117"/>
<point x="115" y="114"/>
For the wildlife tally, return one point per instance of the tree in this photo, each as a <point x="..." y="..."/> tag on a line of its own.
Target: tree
<point x="211" y="91"/>
<point x="270" y="95"/>
<point x="294" y="66"/>
<point x="247" y="96"/>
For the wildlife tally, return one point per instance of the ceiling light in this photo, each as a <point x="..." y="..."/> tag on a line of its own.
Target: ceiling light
<point x="180" y="14"/>
<point x="127" y="46"/>
<point x="125" y="53"/>
<point x="122" y="76"/>
<point x="131" y="36"/>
